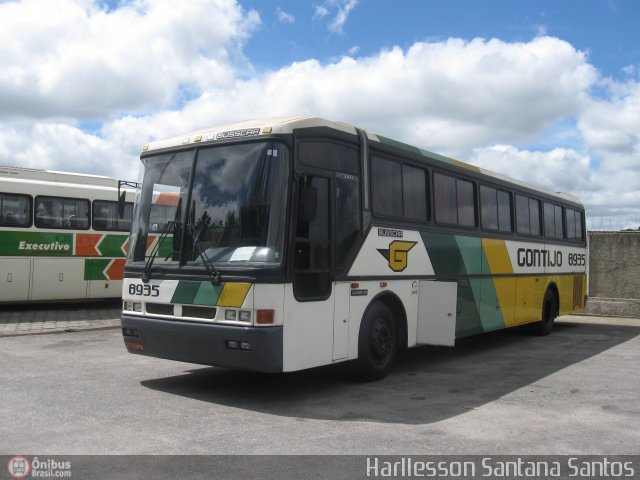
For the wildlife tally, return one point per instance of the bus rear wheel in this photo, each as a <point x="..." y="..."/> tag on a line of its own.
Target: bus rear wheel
<point x="549" y="312"/>
<point x="377" y="342"/>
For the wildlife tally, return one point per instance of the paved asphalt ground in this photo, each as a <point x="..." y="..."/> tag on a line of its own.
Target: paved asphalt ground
<point x="576" y="391"/>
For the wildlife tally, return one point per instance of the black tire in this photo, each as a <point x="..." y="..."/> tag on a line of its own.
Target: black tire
<point x="377" y="342"/>
<point x="549" y="312"/>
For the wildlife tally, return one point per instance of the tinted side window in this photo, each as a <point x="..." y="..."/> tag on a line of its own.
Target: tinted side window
<point x="414" y="188"/>
<point x="527" y="216"/>
<point x="553" y="224"/>
<point x="386" y="187"/>
<point x="454" y="200"/>
<point x="574" y="224"/>
<point x="522" y="215"/>
<point x="489" y="208"/>
<point x="15" y="210"/>
<point x="504" y="211"/>
<point x="496" y="209"/>
<point x="466" y="203"/>
<point x="64" y="213"/>
<point x="534" y="217"/>
<point x="324" y="154"/>
<point x="105" y="216"/>
<point x="446" y="204"/>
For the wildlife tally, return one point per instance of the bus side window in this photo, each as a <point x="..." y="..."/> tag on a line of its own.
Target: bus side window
<point x="15" y="210"/>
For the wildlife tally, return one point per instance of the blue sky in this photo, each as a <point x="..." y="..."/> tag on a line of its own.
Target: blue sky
<point x="544" y="91"/>
<point x="607" y="29"/>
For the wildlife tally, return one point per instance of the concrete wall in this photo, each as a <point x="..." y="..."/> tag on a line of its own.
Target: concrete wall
<point x="614" y="273"/>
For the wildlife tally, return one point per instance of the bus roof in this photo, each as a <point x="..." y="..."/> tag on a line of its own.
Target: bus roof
<point x="286" y="125"/>
<point x="34" y="174"/>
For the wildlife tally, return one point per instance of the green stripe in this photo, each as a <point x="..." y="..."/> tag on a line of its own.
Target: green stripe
<point x="447" y="254"/>
<point x="490" y="312"/>
<point x="111" y="245"/>
<point x="94" y="268"/>
<point x="196" y="293"/>
<point x="36" y="244"/>
<point x="208" y="294"/>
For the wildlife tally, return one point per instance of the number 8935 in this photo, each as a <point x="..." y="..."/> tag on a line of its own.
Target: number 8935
<point x="145" y="290"/>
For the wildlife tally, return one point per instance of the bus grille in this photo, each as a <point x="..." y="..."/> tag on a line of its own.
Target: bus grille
<point x="159" y="309"/>
<point x="198" y="312"/>
<point x="577" y="291"/>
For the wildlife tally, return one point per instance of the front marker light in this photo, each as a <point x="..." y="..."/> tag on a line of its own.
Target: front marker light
<point x="264" y="317"/>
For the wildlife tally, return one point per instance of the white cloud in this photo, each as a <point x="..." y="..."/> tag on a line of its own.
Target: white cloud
<point x="320" y="11"/>
<point x="284" y="17"/>
<point x="59" y="146"/>
<point x="74" y="59"/>
<point x="611" y="127"/>
<point x="150" y="70"/>
<point x="342" y="10"/>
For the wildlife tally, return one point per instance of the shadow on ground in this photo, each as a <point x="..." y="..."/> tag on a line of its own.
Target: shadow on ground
<point x="428" y="384"/>
<point x="66" y="310"/>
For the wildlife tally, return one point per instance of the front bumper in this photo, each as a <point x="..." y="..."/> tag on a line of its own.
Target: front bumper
<point x="204" y="343"/>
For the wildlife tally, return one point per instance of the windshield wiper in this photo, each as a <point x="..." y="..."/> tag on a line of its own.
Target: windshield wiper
<point x="203" y="222"/>
<point x="146" y="274"/>
<point x="171" y="228"/>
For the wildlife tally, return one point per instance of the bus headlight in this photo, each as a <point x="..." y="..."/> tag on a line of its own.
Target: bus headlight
<point x="245" y="316"/>
<point x="230" y="315"/>
<point x="129" y="306"/>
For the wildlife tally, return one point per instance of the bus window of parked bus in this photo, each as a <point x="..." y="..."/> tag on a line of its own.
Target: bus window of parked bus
<point x="574" y="224"/>
<point x="527" y="216"/>
<point x="454" y="200"/>
<point x="105" y="216"/>
<point x="553" y="225"/>
<point x="386" y="187"/>
<point x="414" y="193"/>
<point x="496" y="209"/>
<point x="64" y="213"/>
<point x="15" y="210"/>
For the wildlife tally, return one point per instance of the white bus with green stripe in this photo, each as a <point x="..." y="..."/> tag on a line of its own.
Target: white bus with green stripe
<point x="298" y="242"/>
<point x="61" y="237"/>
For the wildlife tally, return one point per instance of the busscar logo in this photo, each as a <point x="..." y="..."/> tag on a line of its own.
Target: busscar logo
<point x="397" y="254"/>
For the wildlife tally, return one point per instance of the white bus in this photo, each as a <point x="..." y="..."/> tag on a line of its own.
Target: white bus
<point x="300" y="242"/>
<point x="61" y="237"/>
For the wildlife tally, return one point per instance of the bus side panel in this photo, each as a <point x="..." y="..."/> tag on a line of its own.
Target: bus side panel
<point x="307" y="332"/>
<point x="59" y="278"/>
<point x="14" y="279"/>
<point x="529" y="294"/>
<point x="437" y="313"/>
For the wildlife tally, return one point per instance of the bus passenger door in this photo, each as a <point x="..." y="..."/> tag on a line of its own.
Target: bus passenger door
<point x="309" y="317"/>
<point x="312" y="262"/>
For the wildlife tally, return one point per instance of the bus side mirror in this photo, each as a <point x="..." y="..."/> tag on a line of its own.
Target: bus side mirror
<point x="308" y="204"/>
<point x="121" y="199"/>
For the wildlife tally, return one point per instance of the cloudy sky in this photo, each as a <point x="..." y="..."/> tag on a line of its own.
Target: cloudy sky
<point x="545" y="91"/>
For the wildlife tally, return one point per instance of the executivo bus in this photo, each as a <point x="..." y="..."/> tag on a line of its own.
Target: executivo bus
<point x="298" y="242"/>
<point x="61" y="237"/>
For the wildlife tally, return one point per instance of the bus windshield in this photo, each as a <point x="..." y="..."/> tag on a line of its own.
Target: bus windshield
<point x="231" y="215"/>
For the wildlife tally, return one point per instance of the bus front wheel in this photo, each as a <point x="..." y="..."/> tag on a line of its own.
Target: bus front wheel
<point x="549" y="312"/>
<point x="377" y="342"/>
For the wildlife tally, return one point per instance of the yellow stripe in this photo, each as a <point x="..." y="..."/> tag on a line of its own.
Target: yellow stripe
<point x="497" y="256"/>
<point x="466" y="165"/>
<point x="233" y="294"/>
